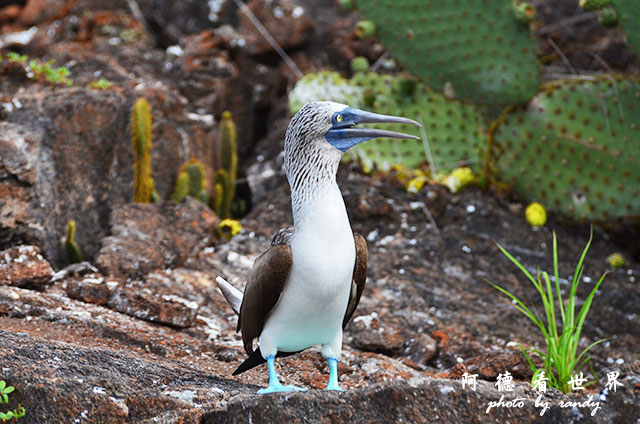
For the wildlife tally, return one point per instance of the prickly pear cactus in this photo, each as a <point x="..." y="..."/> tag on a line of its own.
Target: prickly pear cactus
<point x="477" y="45"/>
<point x="323" y="85"/>
<point x="593" y="4"/>
<point x="454" y="130"/>
<point x="629" y="18"/>
<point x="575" y="148"/>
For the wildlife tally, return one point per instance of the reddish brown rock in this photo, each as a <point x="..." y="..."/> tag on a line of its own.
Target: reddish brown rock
<point x="285" y="20"/>
<point x="65" y="154"/>
<point x="23" y="266"/>
<point x="146" y="237"/>
<point x="91" y="288"/>
<point x="489" y="366"/>
<point x="138" y="301"/>
<point x="9" y="13"/>
<point x="371" y="334"/>
<point x="172" y="297"/>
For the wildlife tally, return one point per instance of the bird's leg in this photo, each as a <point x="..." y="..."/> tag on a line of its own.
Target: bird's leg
<point x="333" y="376"/>
<point x="274" y="383"/>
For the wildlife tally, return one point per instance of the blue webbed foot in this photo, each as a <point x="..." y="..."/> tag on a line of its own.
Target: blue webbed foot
<point x="275" y="388"/>
<point x="333" y="376"/>
<point x="274" y="384"/>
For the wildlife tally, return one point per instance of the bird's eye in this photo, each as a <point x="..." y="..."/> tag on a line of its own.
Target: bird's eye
<point x="338" y="118"/>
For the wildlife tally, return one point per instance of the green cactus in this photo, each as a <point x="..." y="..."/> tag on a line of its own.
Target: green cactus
<point x="203" y="196"/>
<point x="323" y="85"/>
<point x="575" y="148"/>
<point x="593" y="4"/>
<point x="348" y="4"/>
<point x="221" y="201"/>
<point x="476" y="45"/>
<point x="195" y="171"/>
<point x="191" y="182"/>
<point x="182" y="187"/>
<point x="365" y="29"/>
<point x="454" y="129"/>
<point x="360" y="64"/>
<point x="217" y="195"/>
<point x="629" y="17"/>
<point x="141" y="131"/>
<point x="74" y="255"/>
<point x="608" y="17"/>
<point x="227" y="165"/>
<point x="524" y="12"/>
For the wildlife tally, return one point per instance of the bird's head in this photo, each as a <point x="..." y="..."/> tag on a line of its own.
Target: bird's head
<point x="336" y="124"/>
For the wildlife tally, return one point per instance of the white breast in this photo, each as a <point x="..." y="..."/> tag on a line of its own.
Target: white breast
<point x="313" y="303"/>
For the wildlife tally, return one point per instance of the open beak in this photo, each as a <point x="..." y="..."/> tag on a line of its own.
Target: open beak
<point x="343" y="135"/>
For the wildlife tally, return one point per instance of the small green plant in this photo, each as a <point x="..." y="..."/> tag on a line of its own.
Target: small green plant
<point x="16" y="57"/>
<point x="101" y="84"/>
<point x="19" y="412"/>
<point x="44" y="71"/>
<point x="561" y="359"/>
<point x="74" y="255"/>
<point x="41" y="71"/>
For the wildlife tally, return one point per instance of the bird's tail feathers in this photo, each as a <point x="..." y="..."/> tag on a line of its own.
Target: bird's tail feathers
<point x="253" y="360"/>
<point x="256" y="359"/>
<point x="232" y="294"/>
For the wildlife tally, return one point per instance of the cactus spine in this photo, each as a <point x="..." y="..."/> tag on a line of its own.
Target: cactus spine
<point x="227" y="161"/>
<point x="73" y="251"/>
<point x="141" y="131"/>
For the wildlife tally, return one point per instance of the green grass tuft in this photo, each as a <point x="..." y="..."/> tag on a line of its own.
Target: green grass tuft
<point x="561" y="360"/>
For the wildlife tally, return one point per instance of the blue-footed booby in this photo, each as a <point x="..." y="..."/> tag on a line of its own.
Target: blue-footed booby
<point x="304" y="289"/>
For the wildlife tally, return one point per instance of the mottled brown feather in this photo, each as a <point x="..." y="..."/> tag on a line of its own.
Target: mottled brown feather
<point x="264" y="286"/>
<point x="359" y="277"/>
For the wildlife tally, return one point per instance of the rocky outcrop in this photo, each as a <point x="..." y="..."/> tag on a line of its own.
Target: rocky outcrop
<point x="61" y="382"/>
<point x="146" y="237"/>
<point x="67" y="156"/>
<point x="23" y="266"/>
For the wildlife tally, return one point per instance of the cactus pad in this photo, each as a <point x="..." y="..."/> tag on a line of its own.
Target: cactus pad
<point x="575" y="149"/>
<point x="477" y="45"/>
<point x="629" y="17"/>
<point x="454" y="129"/>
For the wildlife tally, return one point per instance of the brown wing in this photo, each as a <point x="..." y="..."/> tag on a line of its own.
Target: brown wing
<point x="359" y="277"/>
<point x="264" y="286"/>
